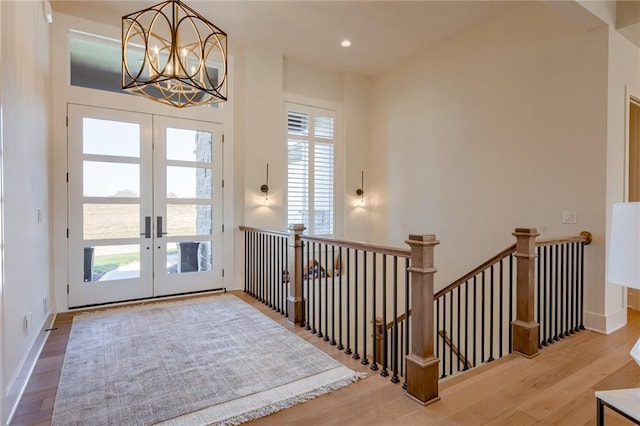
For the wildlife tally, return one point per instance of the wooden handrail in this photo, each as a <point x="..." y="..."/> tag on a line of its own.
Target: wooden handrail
<point x="400" y="319"/>
<point x="264" y="231"/>
<point x="455" y="349"/>
<point x="495" y="259"/>
<point x="359" y="245"/>
<point x="585" y="237"/>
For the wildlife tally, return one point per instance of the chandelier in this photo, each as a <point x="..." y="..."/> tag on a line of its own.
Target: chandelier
<point x="173" y="55"/>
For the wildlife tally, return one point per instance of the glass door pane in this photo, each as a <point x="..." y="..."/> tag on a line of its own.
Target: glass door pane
<point x="187" y="187"/>
<point x="110" y="256"/>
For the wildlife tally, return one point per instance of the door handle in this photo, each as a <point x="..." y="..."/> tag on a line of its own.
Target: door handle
<point x="147" y="227"/>
<point x="159" y="227"/>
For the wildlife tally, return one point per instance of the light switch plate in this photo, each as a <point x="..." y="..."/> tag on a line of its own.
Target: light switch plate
<point x="569" y="217"/>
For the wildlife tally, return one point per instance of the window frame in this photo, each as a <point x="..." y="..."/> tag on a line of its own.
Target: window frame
<point x="312" y="141"/>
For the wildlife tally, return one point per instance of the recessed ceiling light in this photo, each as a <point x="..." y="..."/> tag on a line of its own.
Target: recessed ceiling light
<point x="345" y="43"/>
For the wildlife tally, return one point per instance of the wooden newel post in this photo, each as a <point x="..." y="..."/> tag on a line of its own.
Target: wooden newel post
<point x="378" y="329"/>
<point x="422" y="365"/>
<point x="295" y="298"/>
<point x="525" y="329"/>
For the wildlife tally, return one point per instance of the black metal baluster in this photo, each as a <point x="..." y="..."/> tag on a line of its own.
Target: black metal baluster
<point x="347" y="350"/>
<point x="574" y="321"/>
<point x="279" y="275"/>
<point x="407" y="310"/>
<point x="288" y="276"/>
<point x="283" y="273"/>
<point x="365" y="360"/>
<point x="501" y="314"/>
<point x="272" y="272"/>
<point x="539" y="294"/>
<point x="276" y="267"/>
<point x="466" y="326"/>
<point x="437" y="337"/>
<point x="475" y="318"/>
<point x="482" y="343"/>
<point x="491" y="316"/>
<point x="581" y="305"/>
<point x="261" y="268"/>
<point x="355" y="307"/>
<point x="384" y="372"/>
<point x="394" y="342"/>
<point x="374" y="363"/>
<point x="252" y="264"/>
<point x="315" y="271"/>
<point x="459" y="320"/>
<point x="333" y="294"/>
<point x="267" y="268"/>
<point x="321" y="270"/>
<point x="511" y="302"/>
<point x="550" y="295"/>
<point x="563" y="269"/>
<point x="450" y="333"/>
<point x="258" y="267"/>
<point x="442" y="334"/>
<point x="570" y="292"/>
<point x="329" y="266"/>
<point x="246" y="260"/>
<point x="566" y="290"/>
<point x="543" y="297"/>
<point x="340" y="324"/>
<point x="557" y="298"/>
<point x="307" y="277"/>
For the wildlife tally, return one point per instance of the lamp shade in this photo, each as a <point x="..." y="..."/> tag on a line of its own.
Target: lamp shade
<point x="624" y="245"/>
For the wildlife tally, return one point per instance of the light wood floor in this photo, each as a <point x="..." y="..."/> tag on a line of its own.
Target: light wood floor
<point x="557" y="387"/>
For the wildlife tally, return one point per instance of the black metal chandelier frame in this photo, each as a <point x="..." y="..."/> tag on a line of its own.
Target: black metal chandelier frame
<point x="177" y="44"/>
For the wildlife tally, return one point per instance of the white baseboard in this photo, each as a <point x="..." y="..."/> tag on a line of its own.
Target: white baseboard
<point x="22" y="377"/>
<point x="605" y="323"/>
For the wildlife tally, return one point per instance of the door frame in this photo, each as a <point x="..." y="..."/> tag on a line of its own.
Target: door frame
<point x="632" y="149"/>
<point x="153" y="281"/>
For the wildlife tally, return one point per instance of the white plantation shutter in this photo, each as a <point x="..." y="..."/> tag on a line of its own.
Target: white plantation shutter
<point x="310" y="186"/>
<point x="298" y="182"/>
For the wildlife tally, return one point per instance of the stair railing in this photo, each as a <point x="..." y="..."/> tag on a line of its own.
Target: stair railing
<point x="345" y="292"/>
<point x="522" y="299"/>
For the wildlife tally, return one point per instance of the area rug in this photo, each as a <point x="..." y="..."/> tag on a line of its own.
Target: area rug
<point x="197" y="362"/>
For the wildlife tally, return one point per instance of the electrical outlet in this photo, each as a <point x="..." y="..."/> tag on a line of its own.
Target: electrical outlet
<point x="45" y="304"/>
<point x="40" y="217"/>
<point x="570" y="217"/>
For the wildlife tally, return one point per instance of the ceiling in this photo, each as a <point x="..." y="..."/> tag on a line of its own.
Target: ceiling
<point x="382" y="33"/>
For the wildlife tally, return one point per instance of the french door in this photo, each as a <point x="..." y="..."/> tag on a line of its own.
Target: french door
<point x="145" y="205"/>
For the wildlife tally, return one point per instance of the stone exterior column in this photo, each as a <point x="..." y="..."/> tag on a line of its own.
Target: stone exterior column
<point x="422" y="365"/>
<point x="295" y="299"/>
<point x="526" y="330"/>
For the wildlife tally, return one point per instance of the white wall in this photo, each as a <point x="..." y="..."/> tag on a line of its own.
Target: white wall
<point x="25" y="101"/>
<point x="2" y="409"/>
<point x="265" y="81"/>
<point x="606" y="311"/>
<point x="262" y="124"/>
<point x="501" y="127"/>
<point x="623" y="81"/>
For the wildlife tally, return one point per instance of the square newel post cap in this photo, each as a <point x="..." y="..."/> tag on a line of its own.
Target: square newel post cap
<point x="416" y="240"/>
<point x="525" y="232"/>
<point x="297" y="227"/>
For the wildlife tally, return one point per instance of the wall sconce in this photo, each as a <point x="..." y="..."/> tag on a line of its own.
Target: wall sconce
<point x="265" y="188"/>
<point x="360" y="191"/>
